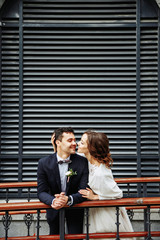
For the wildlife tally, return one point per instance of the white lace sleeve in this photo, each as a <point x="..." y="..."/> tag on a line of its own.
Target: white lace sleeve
<point x="104" y="185"/>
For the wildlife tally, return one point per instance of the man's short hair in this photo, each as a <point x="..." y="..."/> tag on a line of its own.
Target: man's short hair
<point x="58" y="133"/>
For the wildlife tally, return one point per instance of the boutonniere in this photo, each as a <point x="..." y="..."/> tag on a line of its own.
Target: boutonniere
<point x="70" y="173"/>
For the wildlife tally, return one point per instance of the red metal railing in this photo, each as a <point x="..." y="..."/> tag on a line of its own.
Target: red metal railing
<point x="118" y="180"/>
<point x="147" y="201"/>
<point x="130" y="203"/>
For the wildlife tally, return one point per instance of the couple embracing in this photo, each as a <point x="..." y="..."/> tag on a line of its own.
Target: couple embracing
<point x="66" y="178"/>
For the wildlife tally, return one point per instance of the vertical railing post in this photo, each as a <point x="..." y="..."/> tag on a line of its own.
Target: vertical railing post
<point x="62" y="223"/>
<point x="87" y="222"/>
<point x="6" y="225"/>
<point x="128" y="189"/>
<point x="145" y="220"/>
<point x="7" y="195"/>
<point x="38" y="223"/>
<point x="130" y="213"/>
<point x="145" y="210"/>
<point x="6" y="222"/>
<point x="148" y="224"/>
<point x="28" y="218"/>
<point x="29" y="194"/>
<point x="117" y="223"/>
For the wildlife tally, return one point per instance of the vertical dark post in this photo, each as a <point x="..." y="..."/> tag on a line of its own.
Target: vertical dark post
<point x="38" y="223"/>
<point x="7" y="195"/>
<point x="87" y="222"/>
<point x="28" y="218"/>
<point x="145" y="210"/>
<point x="128" y="189"/>
<point x="0" y="86"/>
<point x="159" y="86"/>
<point x="6" y="222"/>
<point x="29" y="194"/>
<point x="6" y="226"/>
<point x="20" y="152"/>
<point x="144" y="189"/>
<point x="130" y="214"/>
<point x="62" y="223"/>
<point x="117" y="223"/>
<point x="148" y="224"/>
<point x="138" y="96"/>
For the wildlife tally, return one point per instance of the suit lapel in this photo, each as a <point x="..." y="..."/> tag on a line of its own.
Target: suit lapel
<point x="70" y="165"/>
<point x="56" y="171"/>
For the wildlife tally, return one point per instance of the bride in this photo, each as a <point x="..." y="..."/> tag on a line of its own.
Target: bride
<point x="95" y="146"/>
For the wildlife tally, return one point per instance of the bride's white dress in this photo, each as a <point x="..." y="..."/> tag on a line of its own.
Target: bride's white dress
<point x="103" y="219"/>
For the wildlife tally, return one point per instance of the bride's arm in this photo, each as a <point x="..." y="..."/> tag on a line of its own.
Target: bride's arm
<point x="89" y="194"/>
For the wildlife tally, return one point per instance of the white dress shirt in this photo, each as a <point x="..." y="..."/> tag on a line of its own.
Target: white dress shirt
<point x="63" y="168"/>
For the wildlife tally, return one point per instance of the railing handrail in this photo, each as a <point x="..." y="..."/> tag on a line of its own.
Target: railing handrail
<point x="44" y="210"/>
<point x="137" y="180"/>
<point x="18" y="184"/>
<point x="118" y="180"/>
<point x="91" y="235"/>
<point x="145" y="201"/>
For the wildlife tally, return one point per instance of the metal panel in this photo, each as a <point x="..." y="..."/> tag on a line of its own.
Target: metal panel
<point x="10" y="91"/>
<point x="149" y="91"/>
<point x="87" y="81"/>
<point x="81" y="10"/>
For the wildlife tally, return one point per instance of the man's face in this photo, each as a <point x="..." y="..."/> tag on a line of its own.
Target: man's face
<point x="68" y="144"/>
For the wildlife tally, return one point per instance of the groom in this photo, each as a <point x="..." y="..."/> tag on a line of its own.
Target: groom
<point x="55" y="188"/>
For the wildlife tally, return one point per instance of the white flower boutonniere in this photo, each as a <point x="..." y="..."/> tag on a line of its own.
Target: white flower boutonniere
<point x="70" y="173"/>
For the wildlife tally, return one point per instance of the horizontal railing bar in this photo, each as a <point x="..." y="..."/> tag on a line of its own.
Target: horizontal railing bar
<point x="118" y="180"/>
<point x="121" y="202"/>
<point x="44" y="211"/>
<point x="137" y="180"/>
<point x="146" y="201"/>
<point x="91" y="235"/>
<point x="22" y="212"/>
<point x="141" y="207"/>
<point x="18" y="184"/>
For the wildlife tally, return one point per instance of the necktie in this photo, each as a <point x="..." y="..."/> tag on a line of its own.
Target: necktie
<point x="64" y="161"/>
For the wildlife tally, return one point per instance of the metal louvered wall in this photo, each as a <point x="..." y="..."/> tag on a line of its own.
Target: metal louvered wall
<point x="80" y="63"/>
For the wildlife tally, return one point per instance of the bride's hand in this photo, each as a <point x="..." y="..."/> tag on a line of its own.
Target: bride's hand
<point x="88" y="193"/>
<point x="53" y="142"/>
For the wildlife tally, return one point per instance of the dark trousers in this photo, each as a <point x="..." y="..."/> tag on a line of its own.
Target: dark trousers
<point x="74" y="220"/>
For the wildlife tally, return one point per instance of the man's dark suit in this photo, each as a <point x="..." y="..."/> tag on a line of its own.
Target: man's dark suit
<point x="49" y="184"/>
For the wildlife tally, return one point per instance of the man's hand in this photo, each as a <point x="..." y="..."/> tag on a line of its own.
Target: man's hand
<point x="60" y="201"/>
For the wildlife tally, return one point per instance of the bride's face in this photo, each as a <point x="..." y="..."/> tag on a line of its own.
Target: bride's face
<point x="82" y="145"/>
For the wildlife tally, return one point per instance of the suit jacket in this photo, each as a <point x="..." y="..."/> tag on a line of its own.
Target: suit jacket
<point x="49" y="180"/>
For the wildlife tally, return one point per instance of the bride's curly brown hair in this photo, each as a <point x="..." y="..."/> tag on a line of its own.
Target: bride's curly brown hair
<point x="98" y="146"/>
